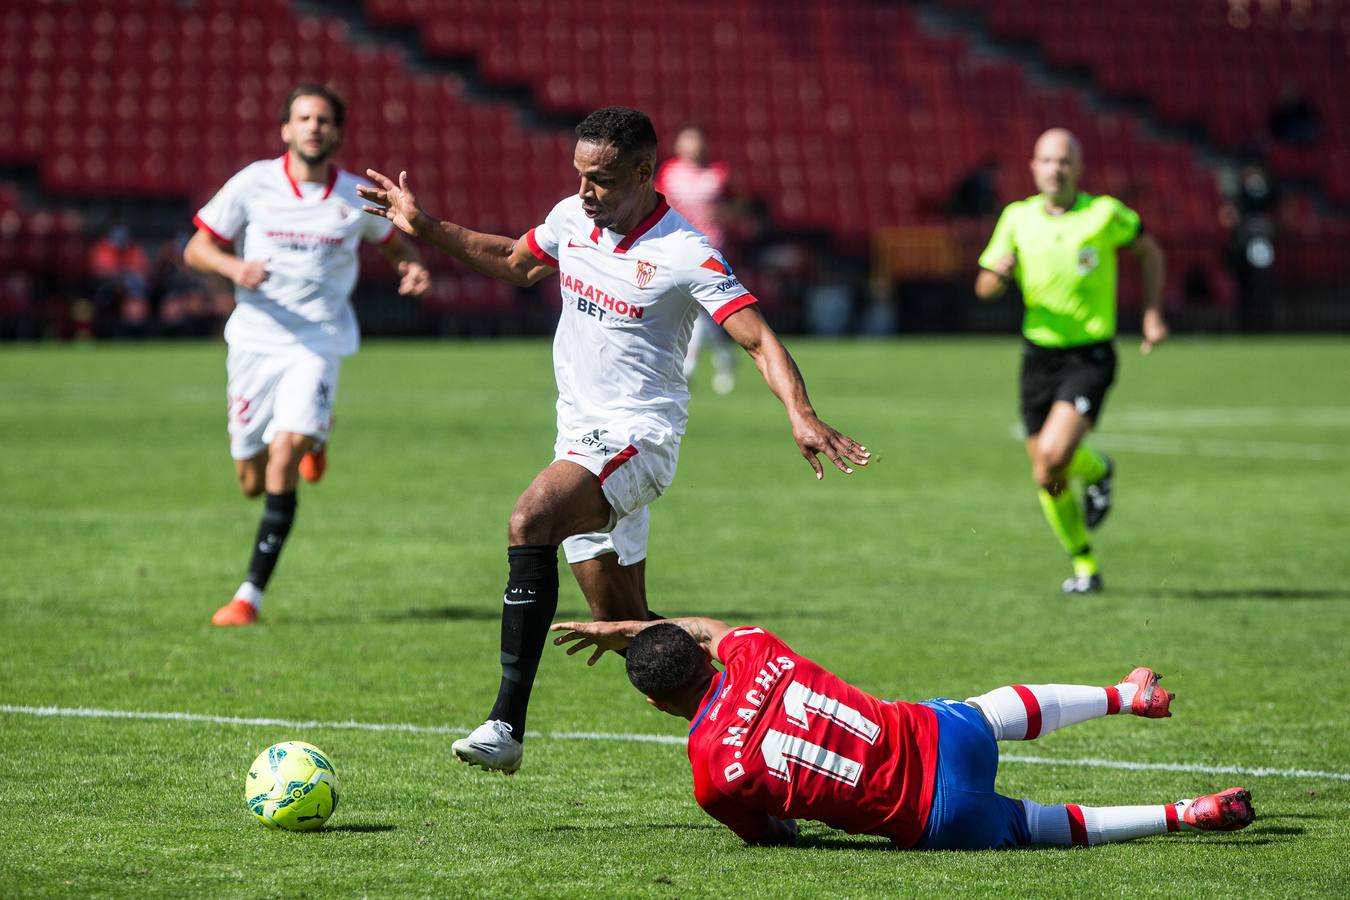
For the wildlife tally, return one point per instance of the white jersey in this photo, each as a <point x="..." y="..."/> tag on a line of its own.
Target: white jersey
<point x="308" y="234"/>
<point x="629" y="303"/>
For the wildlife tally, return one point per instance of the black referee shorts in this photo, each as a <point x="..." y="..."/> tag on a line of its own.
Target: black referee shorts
<point x="1080" y="375"/>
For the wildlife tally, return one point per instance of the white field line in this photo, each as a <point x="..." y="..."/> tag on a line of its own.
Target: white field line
<point x="1234" y="416"/>
<point x="298" y="725"/>
<point x="1214" y="447"/>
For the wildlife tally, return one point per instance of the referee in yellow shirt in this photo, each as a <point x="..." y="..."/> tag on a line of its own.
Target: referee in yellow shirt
<point x="1060" y="245"/>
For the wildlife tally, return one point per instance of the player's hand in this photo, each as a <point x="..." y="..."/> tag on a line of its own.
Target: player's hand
<point x="394" y="202"/>
<point x="814" y="436"/>
<point x="248" y="274"/>
<point x="1155" y="331"/>
<point x="600" y="635"/>
<point x="783" y="832"/>
<point x="414" y="280"/>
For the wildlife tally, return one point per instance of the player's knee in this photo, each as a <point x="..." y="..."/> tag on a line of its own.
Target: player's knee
<point x="1052" y="457"/>
<point x="530" y="523"/>
<point x="250" y="486"/>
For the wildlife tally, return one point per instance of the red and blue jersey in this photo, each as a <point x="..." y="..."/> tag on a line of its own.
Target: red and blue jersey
<point x="777" y="735"/>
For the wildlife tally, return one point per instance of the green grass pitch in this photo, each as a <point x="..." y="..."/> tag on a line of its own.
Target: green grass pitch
<point x="930" y="574"/>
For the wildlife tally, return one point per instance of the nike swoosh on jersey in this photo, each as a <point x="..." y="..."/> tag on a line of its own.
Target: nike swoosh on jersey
<point x="575" y="246"/>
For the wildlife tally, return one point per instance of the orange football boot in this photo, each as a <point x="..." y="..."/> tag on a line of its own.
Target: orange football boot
<point x="236" y="612"/>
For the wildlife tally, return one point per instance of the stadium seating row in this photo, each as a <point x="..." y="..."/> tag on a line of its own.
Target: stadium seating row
<point x="1223" y="64"/>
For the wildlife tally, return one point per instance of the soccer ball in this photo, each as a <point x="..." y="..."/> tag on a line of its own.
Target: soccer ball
<point x="292" y="785"/>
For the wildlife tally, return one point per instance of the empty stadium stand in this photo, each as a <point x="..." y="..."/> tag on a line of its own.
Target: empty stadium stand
<point x="845" y="118"/>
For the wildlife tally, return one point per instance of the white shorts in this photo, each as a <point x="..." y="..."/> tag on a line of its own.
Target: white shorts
<point x="633" y="471"/>
<point x="269" y="393"/>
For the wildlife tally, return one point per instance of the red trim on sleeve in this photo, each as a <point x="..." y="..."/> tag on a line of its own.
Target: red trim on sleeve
<point x="1112" y="700"/>
<point x="731" y="306"/>
<point x="1077" y="827"/>
<point x="646" y="225"/>
<point x="714" y="264"/>
<point x="616" y="461"/>
<point x="538" y="251"/>
<point x="197" y="220"/>
<point x="1033" y="711"/>
<point x="286" y="169"/>
<point x="1170" y="812"/>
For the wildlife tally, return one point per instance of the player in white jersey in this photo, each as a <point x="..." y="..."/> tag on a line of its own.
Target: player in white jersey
<point x="697" y="189"/>
<point x="633" y="273"/>
<point x="296" y="227"/>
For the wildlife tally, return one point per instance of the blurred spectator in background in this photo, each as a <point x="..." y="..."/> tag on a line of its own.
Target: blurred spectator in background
<point x="119" y="270"/>
<point x="698" y="190"/>
<point x="977" y="193"/>
<point x="1249" y="214"/>
<point x="1294" y="119"/>
<point x="187" y="303"/>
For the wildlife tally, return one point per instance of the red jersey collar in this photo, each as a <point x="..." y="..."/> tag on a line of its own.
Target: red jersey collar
<point x="646" y="225"/>
<point x="286" y="168"/>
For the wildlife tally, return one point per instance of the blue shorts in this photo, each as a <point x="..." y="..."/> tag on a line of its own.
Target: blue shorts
<point x="967" y="814"/>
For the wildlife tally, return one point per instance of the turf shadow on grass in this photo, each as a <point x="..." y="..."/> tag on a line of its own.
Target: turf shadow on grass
<point x="477" y="613"/>
<point x="360" y="828"/>
<point x="1257" y="593"/>
<point x="632" y="826"/>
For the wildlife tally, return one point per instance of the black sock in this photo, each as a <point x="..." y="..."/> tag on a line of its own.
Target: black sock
<point x="277" y="518"/>
<point x="528" y="606"/>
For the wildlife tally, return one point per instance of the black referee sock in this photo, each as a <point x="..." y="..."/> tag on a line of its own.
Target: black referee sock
<point x="277" y="518"/>
<point x="528" y="606"/>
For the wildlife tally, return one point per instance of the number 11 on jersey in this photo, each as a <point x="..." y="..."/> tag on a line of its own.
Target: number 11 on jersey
<point x="781" y="750"/>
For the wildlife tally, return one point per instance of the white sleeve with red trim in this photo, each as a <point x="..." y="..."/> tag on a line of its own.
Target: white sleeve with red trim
<point x="708" y="279"/>
<point x="225" y="214"/>
<point x="544" y="239"/>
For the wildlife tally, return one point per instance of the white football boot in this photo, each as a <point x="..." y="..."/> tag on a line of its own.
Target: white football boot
<point x="491" y="746"/>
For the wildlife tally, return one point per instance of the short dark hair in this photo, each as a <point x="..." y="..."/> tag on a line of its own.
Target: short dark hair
<point x="664" y="660"/>
<point x="314" y="89"/>
<point x="629" y="131"/>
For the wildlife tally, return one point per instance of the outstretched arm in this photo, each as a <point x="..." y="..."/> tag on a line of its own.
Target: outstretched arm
<point x="748" y="328"/>
<point x="1152" y="265"/>
<point x="617" y="635"/>
<point x="494" y="255"/>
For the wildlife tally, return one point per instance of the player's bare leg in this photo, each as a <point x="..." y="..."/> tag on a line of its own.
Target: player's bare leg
<point x="280" y="471"/>
<point x="614" y="592"/>
<point x="564" y="499"/>
<point x="252" y="473"/>
<point x="1051" y="451"/>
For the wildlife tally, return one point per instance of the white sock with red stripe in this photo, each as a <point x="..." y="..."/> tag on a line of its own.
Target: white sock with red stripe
<point x="1071" y="825"/>
<point x="1024" y="712"/>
